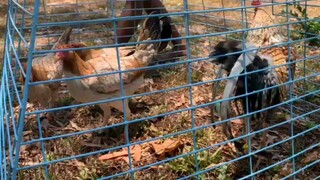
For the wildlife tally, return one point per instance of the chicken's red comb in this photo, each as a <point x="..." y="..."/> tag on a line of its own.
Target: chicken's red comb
<point x="65" y="54"/>
<point x="255" y="3"/>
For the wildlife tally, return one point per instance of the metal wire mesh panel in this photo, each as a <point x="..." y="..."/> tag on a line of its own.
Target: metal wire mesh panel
<point x="179" y="89"/>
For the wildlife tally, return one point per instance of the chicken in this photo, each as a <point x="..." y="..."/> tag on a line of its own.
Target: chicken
<point x="255" y="81"/>
<point x="256" y="60"/>
<point x="87" y="54"/>
<point x="269" y="36"/>
<point x="108" y="86"/>
<point x="43" y="69"/>
<point x="265" y="78"/>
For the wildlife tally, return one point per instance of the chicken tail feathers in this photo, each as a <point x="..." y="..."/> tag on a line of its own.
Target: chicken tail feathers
<point x="153" y="30"/>
<point x="64" y="38"/>
<point x="166" y="32"/>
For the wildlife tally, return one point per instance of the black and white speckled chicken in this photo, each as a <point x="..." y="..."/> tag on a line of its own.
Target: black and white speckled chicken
<point x="264" y="78"/>
<point x="279" y="56"/>
<point x="271" y="32"/>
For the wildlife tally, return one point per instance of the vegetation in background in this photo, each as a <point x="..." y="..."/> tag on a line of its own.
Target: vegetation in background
<point x="310" y="29"/>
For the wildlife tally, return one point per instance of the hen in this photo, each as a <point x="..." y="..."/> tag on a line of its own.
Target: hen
<point x="87" y="54"/>
<point x="108" y="86"/>
<point x="43" y="69"/>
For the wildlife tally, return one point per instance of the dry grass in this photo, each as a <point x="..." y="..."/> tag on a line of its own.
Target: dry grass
<point x="86" y="118"/>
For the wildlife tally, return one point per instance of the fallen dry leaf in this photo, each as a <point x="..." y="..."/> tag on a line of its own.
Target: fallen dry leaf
<point x="75" y="126"/>
<point x="80" y="165"/>
<point x="167" y="146"/>
<point x="206" y="78"/>
<point x="153" y="128"/>
<point x="311" y="157"/>
<point x="91" y="145"/>
<point x="126" y="159"/>
<point x="206" y="43"/>
<point x="213" y="165"/>
<point x="270" y="139"/>
<point x="197" y="99"/>
<point x="237" y="121"/>
<point x="114" y="155"/>
<point x="286" y="169"/>
<point x="180" y="101"/>
<point x="149" y="80"/>
<point x="135" y="151"/>
<point x="156" y="167"/>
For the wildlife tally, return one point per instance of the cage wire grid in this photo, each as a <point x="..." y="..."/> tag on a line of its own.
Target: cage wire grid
<point x="33" y="147"/>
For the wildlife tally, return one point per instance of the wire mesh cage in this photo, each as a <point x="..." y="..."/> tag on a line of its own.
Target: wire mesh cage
<point x="86" y="92"/>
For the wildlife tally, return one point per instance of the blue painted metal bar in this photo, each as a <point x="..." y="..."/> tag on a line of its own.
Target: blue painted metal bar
<point x="20" y="24"/>
<point x="21" y="7"/>
<point x="19" y="139"/>
<point x="125" y="120"/>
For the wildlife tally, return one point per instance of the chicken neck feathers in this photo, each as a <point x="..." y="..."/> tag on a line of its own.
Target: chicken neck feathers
<point x="43" y="69"/>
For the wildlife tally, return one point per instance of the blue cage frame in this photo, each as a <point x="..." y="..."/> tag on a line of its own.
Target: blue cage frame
<point x="16" y="40"/>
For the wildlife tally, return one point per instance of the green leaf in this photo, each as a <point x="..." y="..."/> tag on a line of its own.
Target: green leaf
<point x="304" y="13"/>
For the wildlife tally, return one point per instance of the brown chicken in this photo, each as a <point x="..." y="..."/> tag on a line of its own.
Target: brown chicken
<point x="87" y="54"/>
<point x="108" y="86"/>
<point x="43" y="69"/>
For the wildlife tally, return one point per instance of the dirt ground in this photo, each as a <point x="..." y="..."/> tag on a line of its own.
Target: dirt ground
<point x="174" y="127"/>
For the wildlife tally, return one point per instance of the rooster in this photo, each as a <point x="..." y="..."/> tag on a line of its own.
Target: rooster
<point x="256" y="60"/>
<point x="264" y="78"/>
<point x="272" y="36"/>
<point x="108" y="86"/>
<point x="43" y="69"/>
